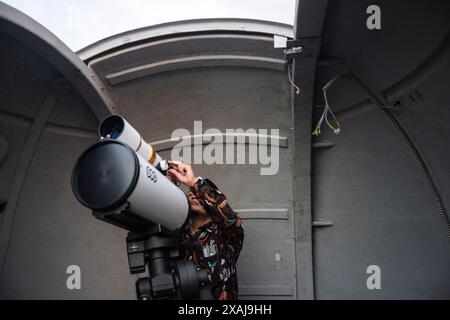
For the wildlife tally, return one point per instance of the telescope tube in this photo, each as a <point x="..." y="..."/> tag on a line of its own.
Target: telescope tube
<point x="110" y="174"/>
<point x="117" y="128"/>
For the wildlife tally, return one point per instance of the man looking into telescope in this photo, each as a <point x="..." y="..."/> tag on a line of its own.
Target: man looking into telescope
<point x="213" y="238"/>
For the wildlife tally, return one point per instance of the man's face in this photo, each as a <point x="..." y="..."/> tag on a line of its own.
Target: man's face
<point x="196" y="207"/>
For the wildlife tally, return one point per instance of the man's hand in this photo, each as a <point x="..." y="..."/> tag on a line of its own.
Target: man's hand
<point x="183" y="172"/>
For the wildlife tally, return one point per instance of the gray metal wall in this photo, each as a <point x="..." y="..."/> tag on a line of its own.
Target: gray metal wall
<point x="47" y="124"/>
<point x="367" y="184"/>
<point x="45" y="230"/>
<point x="228" y="96"/>
<point x="165" y="77"/>
<point x="264" y="202"/>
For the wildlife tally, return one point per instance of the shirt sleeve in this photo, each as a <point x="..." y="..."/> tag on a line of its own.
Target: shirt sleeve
<point x="215" y="203"/>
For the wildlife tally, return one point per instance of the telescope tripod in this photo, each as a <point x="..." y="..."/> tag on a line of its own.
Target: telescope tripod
<point x="169" y="279"/>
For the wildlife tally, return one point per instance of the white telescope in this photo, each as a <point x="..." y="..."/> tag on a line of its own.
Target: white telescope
<point x="122" y="188"/>
<point x="116" y="127"/>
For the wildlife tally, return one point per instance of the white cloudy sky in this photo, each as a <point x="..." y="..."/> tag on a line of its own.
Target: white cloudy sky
<point x="82" y="22"/>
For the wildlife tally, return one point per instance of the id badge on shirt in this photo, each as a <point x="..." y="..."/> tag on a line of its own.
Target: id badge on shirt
<point x="209" y="250"/>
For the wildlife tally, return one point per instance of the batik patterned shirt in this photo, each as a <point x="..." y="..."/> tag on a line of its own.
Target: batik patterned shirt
<point x="216" y="245"/>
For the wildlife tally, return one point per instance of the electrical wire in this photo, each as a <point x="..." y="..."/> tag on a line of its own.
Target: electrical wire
<point x="326" y="111"/>
<point x="297" y="88"/>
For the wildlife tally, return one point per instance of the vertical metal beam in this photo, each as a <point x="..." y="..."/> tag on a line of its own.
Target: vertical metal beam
<point x="308" y="28"/>
<point x="25" y="160"/>
<point x="309" y="18"/>
<point x="304" y="76"/>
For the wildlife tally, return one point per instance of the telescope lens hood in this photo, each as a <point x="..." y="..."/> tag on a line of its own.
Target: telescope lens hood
<point x="113" y="126"/>
<point x="105" y="175"/>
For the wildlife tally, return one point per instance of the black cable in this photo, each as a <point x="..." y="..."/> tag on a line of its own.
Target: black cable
<point x="414" y="153"/>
